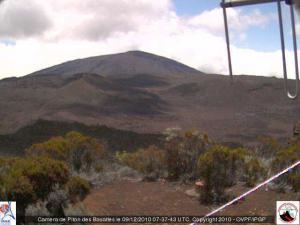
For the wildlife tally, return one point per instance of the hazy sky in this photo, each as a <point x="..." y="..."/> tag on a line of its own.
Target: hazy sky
<point x="35" y="34"/>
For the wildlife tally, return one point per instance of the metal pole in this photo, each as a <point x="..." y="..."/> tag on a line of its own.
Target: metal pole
<point x="246" y="2"/>
<point x="282" y="45"/>
<point x="292" y="96"/>
<point x="295" y="51"/>
<point x="227" y="40"/>
<point x="226" y="5"/>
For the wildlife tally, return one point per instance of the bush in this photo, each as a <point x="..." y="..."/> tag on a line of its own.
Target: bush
<point x="218" y="168"/>
<point x="99" y="168"/>
<point x="284" y="158"/>
<point x="268" y="147"/>
<point x="183" y="151"/>
<point x="253" y="172"/>
<point x="56" y="202"/>
<point x="79" y="151"/>
<point x="56" y="148"/>
<point x="28" y="180"/>
<point x="18" y="188"/>
<point x="295" y="182"/>
<point x="78" y="188"/>
<point x="146" y="161"/>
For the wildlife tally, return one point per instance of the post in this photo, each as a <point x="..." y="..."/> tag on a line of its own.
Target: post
<point x="227" y="39"/>
<point x="246" y="2"/>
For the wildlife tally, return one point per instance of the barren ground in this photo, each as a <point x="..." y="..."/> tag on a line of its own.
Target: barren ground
<point x="163" y="198"/>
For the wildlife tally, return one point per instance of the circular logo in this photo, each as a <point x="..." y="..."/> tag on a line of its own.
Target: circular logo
<point x="288" y="212"/>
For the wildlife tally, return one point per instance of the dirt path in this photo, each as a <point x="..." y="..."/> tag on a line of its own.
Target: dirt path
<point x="159" y="198"/>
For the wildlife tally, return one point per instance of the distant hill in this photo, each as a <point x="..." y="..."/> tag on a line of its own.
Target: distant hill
<point x="122" y="64"/>
<point x="146" y="93"/>
<point x="117" y="140"/>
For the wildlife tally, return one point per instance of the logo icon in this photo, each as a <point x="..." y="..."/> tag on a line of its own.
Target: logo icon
<point x="7" y="213"/>
<point x="287" y="212"/>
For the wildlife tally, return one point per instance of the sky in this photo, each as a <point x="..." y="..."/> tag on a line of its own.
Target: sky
<point x="40" y="34"/>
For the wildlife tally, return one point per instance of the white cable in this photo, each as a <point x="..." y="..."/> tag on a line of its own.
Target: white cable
<point x="252" y="190"/>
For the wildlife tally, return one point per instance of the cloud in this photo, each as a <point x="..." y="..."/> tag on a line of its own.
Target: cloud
<point x="239" y="21"/>
<point x="98" y="20"/>
<point x="77" y="29"/>
<point x="22" y="19"/>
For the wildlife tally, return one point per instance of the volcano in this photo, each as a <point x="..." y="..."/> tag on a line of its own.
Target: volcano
<point x="148" y="93"/>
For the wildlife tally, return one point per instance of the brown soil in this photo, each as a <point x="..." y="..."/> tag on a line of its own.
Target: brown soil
<point x="228" y="112"/>
<point x="163" y="198"/>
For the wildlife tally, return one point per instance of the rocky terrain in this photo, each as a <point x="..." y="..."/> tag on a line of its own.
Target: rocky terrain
<point x="146" y="93"/>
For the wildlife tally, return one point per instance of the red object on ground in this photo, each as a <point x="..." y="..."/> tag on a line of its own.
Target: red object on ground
<point x="199" y="183"/>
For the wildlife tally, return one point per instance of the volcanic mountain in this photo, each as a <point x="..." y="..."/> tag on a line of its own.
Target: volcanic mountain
<point x="122" y="64"/>
<point x="148" y="93"/>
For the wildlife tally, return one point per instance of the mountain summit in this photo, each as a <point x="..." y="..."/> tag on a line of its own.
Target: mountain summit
<point x="122" y="64"/>
<point x="147" y="93"/>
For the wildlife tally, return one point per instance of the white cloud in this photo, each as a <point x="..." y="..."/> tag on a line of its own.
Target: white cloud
<point x="79" y="29"/>
<point x="20" y="20"/>
<point x="96" y="20"/>
<point x="239" y="21"/>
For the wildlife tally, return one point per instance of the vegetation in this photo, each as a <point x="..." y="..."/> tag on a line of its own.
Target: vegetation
<point x="182" y="152"/>
<point x="218" y="168"/>
<point x="47" y="170"/>
<point x="189" y="155"/>
<point x="146" y="161"/>
<point x="78" y="188"/>
<point x="78" y="151"/>
<point x="268" y="148"/>
<point x="253" y="171"/>
<point x="42" y="130"/>
<point x="50" y="172"/>
<point x="28" y="180"/>
<point x="294" y="181"/>
<point x="284" y="158"/>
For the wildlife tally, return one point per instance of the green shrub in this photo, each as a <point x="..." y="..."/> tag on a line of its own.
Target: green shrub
<point x="295" y="182"/>
<point x="79" y="151"/>
<point x="284" y="158"/>
<point x="28" y="180"/>
<point x="78" y="188"/>
<point x="253" y="172"/>
<point x="219" y="168"/>
<point x="99" y="168"/>
<point x="268" y="147"/>
<point x="56" y="148"/>
<point x="183" y="151"/>
<point x="146" y="161"/>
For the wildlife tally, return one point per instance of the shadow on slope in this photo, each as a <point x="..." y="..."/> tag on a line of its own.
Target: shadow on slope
<point x="42" y="130"/>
